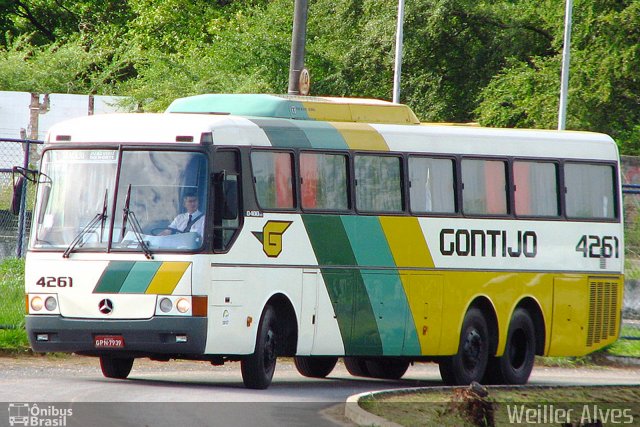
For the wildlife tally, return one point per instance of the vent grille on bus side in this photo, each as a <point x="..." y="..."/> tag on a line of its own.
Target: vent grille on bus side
<point x="603" y="310"/>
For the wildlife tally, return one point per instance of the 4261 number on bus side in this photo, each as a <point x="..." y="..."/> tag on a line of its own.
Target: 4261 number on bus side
<point x="55" y="282"/>
<point x="593" y="246"/>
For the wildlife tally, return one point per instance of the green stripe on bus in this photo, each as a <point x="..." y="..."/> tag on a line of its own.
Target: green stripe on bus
<point x="367" y="241"/>
<point x="323" y="135"/>
<point x="113" y="277"/>
<point x="345" y="287"/>
<point x="139" y="277"/>
<point x="384" y="288"/>
<point x="283" y="133"/>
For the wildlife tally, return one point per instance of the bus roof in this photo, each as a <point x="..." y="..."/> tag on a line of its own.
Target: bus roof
<point x="355" y="110"/>
<point x="233" y="130"/>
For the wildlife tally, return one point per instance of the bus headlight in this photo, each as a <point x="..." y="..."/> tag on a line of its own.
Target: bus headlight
<point x="166" y="305"/>
<point x="50" y="303"/>
<point x="36" y="303"/>
<point x="183" y="305"/>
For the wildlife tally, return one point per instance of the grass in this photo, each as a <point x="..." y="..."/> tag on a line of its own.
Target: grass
<point x="12" y="334"/>
<point x="545" y="405"/>
<point x="625" y="347"/>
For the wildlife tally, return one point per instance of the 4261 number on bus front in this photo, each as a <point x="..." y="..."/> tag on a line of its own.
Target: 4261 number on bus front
<point x="593" y="246"/>
<point x="55" y="282"/>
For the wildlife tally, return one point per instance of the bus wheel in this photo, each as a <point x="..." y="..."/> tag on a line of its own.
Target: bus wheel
<point x="116" y="367"/>
<point x="387" y="368"/>
<point x="315" y="366"/>
<point x="515" y="366"/>
<point x="258" y="368"/>
<point x="356" y="366"/>
<point x="470" y="363"/>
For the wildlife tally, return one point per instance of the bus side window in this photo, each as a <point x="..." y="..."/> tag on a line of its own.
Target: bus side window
<point x="324" y="181"/>
<point x="432" y="185"/>
<point x="484" y="190"/>
<point x="378" y="181"/>
<point x="226" y="217"/>
<point x="535" y="188"/>
<point x="590" y="191"/>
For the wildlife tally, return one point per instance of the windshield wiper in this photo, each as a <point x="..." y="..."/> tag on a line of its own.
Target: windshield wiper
<point x="135" y="225"/>
<point x="100" y="217"/>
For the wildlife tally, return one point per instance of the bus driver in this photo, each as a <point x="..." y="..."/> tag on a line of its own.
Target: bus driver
<point x="191" y="220"/>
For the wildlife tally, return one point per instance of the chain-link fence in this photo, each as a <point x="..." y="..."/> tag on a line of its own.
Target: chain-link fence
<point x="14" y="229"/>
<point x="631" y="198"/>
<point x="15" y="153"/>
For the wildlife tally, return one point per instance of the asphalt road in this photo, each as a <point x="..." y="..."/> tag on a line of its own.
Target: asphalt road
<point x="180" y="393"/>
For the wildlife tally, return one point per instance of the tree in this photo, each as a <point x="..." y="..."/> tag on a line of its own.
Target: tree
<point x="604" y="89"/>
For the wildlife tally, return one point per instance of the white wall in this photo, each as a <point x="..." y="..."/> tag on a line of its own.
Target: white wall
<point x="15" y="115"/>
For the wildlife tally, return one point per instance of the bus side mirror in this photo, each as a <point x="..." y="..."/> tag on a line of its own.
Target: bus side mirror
<point x="19" y="186"/>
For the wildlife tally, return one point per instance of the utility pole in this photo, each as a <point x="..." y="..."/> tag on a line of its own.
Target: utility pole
<point x="298" y="85"/>
<point x="397" y="70"/>
<point x="566" y="58"/>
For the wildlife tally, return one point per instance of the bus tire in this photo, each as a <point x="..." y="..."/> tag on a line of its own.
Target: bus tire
<point x="116" y="367"/>
<point x="470" y="363"/>
<point x="387" y="368"/>
<point x="356" y="366"/>
<point x="315" y="366"/>
<point x="258" y="368"/>
<point x="516" y="364"/>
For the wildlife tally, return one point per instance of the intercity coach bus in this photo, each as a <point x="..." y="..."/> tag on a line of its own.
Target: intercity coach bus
<point x="328" y="228"/>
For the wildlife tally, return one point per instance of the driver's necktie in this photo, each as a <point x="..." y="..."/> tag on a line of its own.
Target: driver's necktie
<point x="188" y="227"/>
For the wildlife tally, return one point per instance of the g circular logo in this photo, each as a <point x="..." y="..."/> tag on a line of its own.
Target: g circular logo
<point x="105" y="306"/>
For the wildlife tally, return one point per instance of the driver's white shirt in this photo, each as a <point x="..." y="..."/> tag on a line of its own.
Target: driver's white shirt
<point x="180" y="223"/>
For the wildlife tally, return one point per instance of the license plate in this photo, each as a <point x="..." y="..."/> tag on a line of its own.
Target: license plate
<point x="108" y="341"/>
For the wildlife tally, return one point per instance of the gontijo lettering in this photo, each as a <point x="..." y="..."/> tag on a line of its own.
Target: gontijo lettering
<point x="488" y="243"/>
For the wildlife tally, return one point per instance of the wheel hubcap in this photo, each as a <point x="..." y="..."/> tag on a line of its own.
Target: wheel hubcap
<point x="472" y="350"/>
<point x="518" y="349"/>
<point x="269" y="350"/>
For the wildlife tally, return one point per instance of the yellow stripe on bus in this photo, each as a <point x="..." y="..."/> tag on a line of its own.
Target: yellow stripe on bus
<point x="361" y="136"/>
<point x="406" y="241"/>
<point x="167" y="278"/>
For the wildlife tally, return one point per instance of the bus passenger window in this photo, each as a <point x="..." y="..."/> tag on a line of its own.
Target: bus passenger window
<point x="432" y="187"/>
<point x="589" y="191"/>
<point x="484" y="187"/>
<point x="378" y="183"/>
<point x="324" y="183"/>
<point x="536" y="189"/>
<point x="273" y="178"/>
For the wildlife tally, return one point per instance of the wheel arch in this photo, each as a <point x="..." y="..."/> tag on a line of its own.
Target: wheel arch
<point x="485" y="305"/>
<point x="532" y="307"/>
<point x="287" y="324"/>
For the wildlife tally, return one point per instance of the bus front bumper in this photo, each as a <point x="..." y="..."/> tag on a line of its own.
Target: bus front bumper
<point x="161" y="336"/>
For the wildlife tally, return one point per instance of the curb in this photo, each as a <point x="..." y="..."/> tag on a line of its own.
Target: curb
<point x="356" y="414"/>
<point x="359" y="416"/>
<point x="624" y="360"/>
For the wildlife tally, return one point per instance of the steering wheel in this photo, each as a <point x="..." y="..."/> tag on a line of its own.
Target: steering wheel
<point x="157" y="231"/>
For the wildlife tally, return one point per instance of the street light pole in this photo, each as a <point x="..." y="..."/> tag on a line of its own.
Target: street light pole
<point x="298" y="40"/>
<point x="566" y="57"/>
<point x="397" y="70"/>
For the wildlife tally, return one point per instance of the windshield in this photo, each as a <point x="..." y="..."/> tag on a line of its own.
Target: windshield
<point x="159" y="203"/>
<point x="71" y="193"/>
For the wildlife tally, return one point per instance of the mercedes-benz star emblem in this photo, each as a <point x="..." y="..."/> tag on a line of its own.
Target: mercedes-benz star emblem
<point x="105" y="306"/>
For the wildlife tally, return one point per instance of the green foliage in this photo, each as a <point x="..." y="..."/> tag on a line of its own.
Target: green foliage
<point x="496" y="62"/>
<point x="12" y="333"/>
<point x="604" y="90"/>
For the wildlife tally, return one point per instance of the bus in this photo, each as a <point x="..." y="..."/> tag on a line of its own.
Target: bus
<point x="323" y="228"/>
